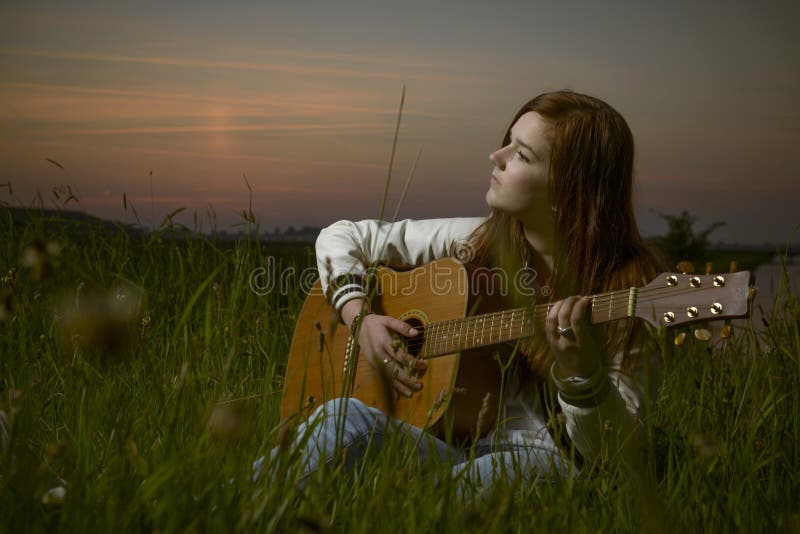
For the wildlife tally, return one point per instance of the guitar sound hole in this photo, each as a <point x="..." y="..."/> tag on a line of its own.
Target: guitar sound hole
<point x="414" y="344"/>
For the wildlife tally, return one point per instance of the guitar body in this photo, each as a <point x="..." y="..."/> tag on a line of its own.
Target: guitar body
<point x="461" y="385"/>
<point x="325" y="363"/>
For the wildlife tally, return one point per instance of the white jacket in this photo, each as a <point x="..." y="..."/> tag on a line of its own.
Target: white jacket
<point x="345" y="249"/>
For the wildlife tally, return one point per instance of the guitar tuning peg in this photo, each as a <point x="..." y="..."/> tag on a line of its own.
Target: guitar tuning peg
<point x="726" y="332"/>
<point x="685" y="267"/>
<point x="709" y="267"/>
<point x="734" y="266"/>
<point x="680" y="339"/>
<point x="703" y="334"/>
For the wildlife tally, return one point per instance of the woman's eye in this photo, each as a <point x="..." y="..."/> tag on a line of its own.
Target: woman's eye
<point x="522" y="156"/>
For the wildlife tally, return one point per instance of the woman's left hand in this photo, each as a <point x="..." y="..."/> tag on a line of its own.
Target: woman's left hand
<point x="571" y="337"/>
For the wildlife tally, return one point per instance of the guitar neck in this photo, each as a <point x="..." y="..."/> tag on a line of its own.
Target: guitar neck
<point x="446" y="337"/>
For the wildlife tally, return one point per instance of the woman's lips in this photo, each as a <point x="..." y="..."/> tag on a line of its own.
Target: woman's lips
<point x="494" y="181"/>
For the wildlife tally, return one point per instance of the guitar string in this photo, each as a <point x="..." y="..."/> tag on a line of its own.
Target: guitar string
<point x="644" y="295"/>
<point x="478" y="323"/>
<point x="598" y="306"/>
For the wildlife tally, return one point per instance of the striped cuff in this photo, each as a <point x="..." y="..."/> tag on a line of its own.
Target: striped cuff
<point x="344" y="288"/>
<point x="582" y="392"/>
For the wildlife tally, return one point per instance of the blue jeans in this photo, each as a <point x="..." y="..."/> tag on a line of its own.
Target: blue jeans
<point x="349" y="424"/>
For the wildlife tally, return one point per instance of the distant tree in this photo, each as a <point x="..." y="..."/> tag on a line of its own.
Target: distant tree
<point x="681" y="241"/>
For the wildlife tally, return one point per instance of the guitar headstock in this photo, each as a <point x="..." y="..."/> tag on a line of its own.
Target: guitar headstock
<point x="673" y="299"/>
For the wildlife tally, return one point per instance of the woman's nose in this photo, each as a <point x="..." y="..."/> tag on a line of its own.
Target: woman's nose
<point x="497" y="158"/>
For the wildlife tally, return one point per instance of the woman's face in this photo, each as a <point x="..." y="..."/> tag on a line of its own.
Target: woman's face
<point x="518" y="185"/>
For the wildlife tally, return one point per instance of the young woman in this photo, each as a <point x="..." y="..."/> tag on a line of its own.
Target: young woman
<point x="560" y="194"/>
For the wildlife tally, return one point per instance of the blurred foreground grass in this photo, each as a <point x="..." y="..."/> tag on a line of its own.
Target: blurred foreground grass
<point x="141" y="377"/>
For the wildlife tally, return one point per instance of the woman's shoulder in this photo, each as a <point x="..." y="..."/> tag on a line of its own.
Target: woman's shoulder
<point x="456" y="226"/>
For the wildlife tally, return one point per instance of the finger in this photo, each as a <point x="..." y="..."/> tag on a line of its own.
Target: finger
<point x="389" y="368"/>
<point x="405" y="383"/>
<point x="408" y="361"/>
<point x="565" y="311"/>
<point x="394" y="363"/>
<point x="578" y="318"/>
<point x="551" y="324"/>
<point x="400" y="327"/>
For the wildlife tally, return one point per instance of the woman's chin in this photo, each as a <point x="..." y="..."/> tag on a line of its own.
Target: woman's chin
<point x="490" y="200"/>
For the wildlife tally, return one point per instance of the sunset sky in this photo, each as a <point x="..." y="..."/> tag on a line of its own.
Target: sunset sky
<point x="302" y="98"/>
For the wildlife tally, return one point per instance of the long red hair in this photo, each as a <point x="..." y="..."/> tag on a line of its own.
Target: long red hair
<point x="598" y="247"/>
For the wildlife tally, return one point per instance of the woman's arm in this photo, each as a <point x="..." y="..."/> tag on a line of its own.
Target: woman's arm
<point x="345" y="249"/>
<point x="603" y="406"/>
<point x="611" y="425"/>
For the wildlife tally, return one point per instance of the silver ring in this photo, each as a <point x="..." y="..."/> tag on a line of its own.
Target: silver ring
<point x="564" y="330"/>
<point x="386" y="361"/>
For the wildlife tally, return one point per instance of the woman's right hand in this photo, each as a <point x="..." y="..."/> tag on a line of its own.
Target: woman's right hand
<point x="377" y="337"/>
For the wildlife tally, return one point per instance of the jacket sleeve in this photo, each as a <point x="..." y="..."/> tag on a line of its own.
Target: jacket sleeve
<point x="345" y="249"/>
<point x="614" y="428"/>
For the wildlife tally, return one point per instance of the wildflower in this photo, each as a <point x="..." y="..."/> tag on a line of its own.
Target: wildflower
<point x="703" y="334"/>
<point x="726" y="332"/>
<point x="145" y="323"/>
<point x="10" y="279"/>
<point x="54" y="495"/>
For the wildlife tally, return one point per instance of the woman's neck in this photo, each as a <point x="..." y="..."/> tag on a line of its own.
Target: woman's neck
<point x="541" y="244"/>
<point x="539" y="235"/>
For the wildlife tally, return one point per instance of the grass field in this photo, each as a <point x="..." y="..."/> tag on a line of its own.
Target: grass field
<point x="141" y="377"/>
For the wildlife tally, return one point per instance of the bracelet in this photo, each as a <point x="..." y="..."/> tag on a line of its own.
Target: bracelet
<point x="582" y="392"/>
<point x="356" y="324"/>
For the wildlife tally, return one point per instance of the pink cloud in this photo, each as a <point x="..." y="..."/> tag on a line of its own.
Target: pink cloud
<point x="228" y="65"/>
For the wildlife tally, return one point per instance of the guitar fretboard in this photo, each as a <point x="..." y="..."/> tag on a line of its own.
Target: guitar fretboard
<point x="447" y="337"/>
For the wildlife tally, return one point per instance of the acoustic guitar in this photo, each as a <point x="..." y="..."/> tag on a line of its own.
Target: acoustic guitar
<point x="462" y="380"/>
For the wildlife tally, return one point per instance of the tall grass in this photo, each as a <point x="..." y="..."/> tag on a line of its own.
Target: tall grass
<point x="143" y="376"/>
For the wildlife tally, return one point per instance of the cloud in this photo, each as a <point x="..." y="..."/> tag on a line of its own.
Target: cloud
<point x="226" y="65"/>
<point x="309" y="129"/>
<point x="234" y="157"/>
<point x="327" y="56"/>
<point x="67" y="102"/>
